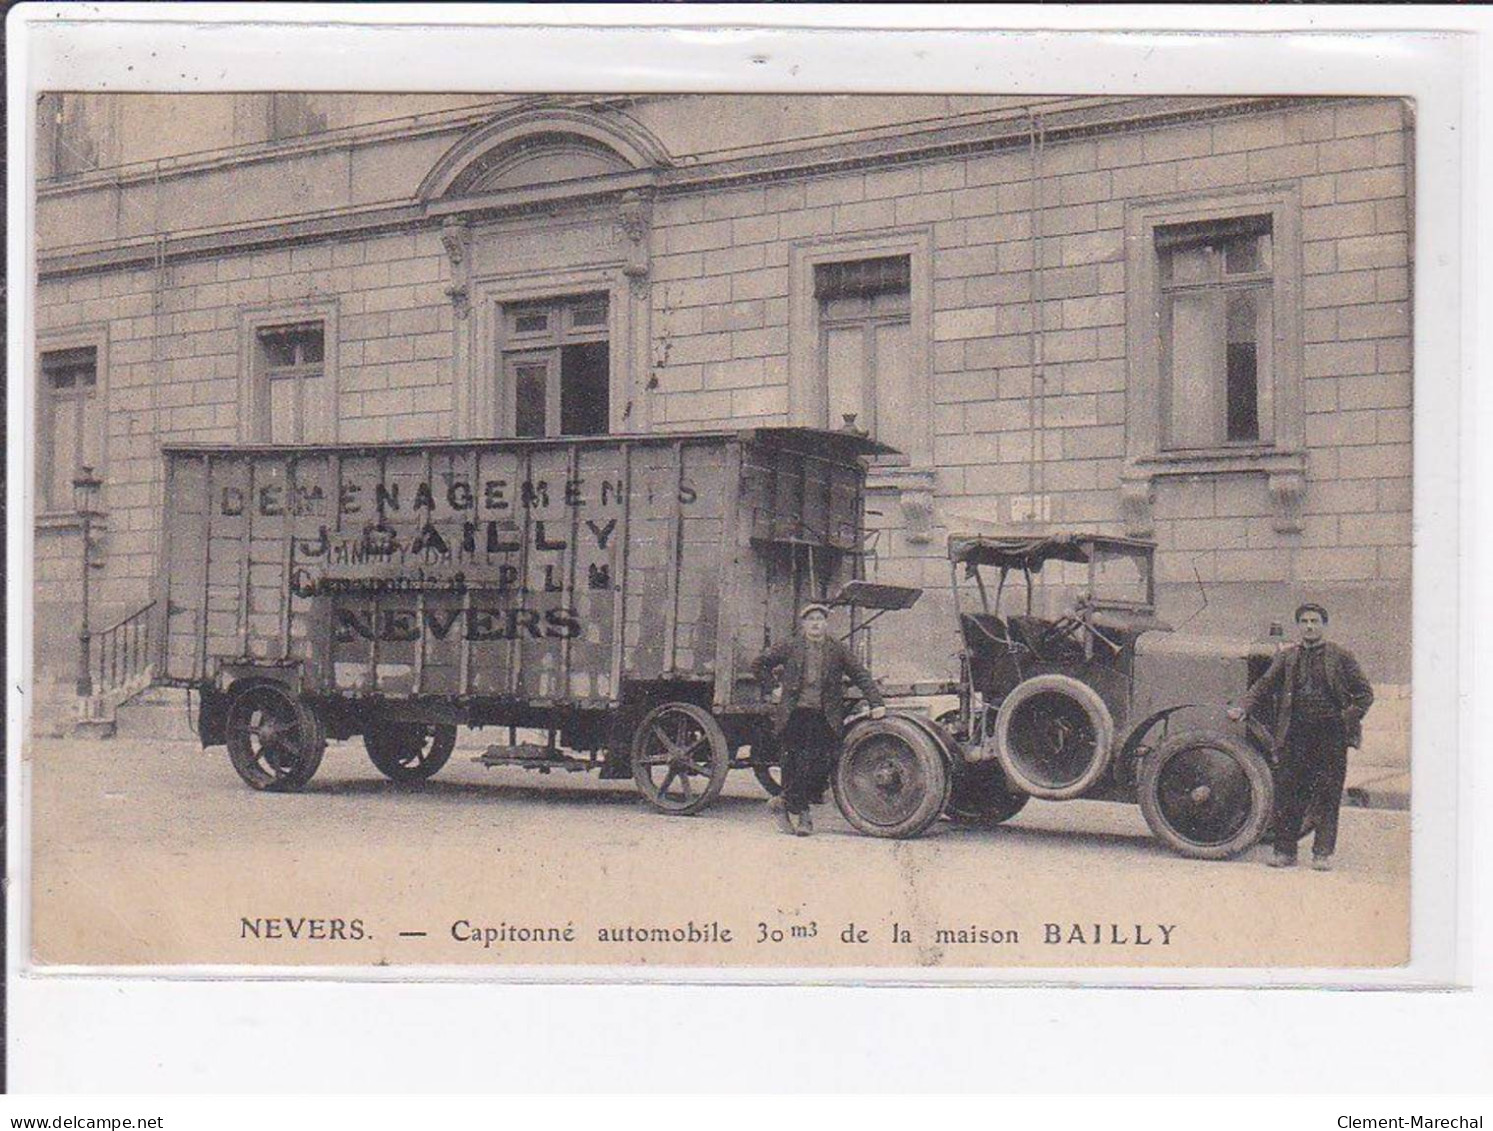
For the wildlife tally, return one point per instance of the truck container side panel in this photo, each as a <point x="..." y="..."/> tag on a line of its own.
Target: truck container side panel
<point x="453" y="522"/>
<point x="265" y="580"/>
<point x="542" y="615"/>
<point x="598" y="532"/>
<point x="845" y="499"/>
<point x="312" y="521"/>
<point x="227" y="572"/>
<point x="403" y="500"/>
<point x="702" y="558"/>
<point x="788" y="497"/>
<point x="815" y="512"/>
<point x="756" y="495"/>
<point x="535" y="571"/>
<point x="651" y="530"/>
<point x="726" y="611"/>
<point x="620" y="605"/>
<point x="748" y="598"/>
<point x="497" y="567"/>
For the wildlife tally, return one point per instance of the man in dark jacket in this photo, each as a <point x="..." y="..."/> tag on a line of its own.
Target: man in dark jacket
<point x="810" y="717"/>
<point x="1320" y="697"/>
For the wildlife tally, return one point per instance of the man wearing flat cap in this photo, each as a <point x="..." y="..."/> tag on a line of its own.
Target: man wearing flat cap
<point x="1320" y="697"/>
<point x="810" y="716"/>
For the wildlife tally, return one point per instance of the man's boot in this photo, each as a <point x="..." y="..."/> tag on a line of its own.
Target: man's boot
<point x="785" y="818"/>
<point x="805" y="824"/>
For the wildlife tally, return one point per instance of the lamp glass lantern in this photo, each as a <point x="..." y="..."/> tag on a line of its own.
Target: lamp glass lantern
<point x="86" y="488"/>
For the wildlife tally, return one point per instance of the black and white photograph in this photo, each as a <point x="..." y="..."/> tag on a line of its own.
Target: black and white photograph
<point x="948" y="532"/>
<point x="722" y="530"/>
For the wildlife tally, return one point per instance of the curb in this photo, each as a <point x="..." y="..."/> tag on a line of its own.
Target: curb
<point x="1389" y="791"/>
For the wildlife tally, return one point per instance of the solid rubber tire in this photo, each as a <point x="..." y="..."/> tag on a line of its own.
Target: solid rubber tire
<point x="1098" y="716"/>
<point x="1256" y="770"/>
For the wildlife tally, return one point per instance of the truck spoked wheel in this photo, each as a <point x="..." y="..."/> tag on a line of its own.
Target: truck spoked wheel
<point x="274" y="740"/>
<point x="981" y="793"/>
<point x="1207" y="795"/>
<point x="409" y="752"/>
<point x="891" y="780"/>
<point x="680" y="758"/>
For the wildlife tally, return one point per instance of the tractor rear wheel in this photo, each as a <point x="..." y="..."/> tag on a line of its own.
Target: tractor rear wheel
<point x="1054" y="735"/>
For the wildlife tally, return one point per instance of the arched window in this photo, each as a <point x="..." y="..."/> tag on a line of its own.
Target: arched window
<point x="541" y="147"/>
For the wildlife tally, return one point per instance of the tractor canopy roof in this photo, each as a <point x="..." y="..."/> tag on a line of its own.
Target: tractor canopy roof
<point x="1030" y="550"/>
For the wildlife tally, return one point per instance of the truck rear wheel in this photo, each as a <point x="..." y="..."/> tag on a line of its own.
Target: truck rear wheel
<point x="680" y="758"/>
<point x="409" y="752"/>
<point x="892" y="779"/>
<point x="275" y="741"/>
<point x="1207" y="795"/>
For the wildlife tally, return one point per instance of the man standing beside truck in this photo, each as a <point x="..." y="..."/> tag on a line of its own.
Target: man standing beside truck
<point x="1320" y="696"/>
<point x="810" y="716"/>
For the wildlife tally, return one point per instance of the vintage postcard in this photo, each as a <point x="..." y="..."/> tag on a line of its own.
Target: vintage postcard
<point x="726" y="531"/>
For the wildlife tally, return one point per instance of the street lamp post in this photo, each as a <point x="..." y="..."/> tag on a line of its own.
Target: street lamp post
<point x="85" y="499"/>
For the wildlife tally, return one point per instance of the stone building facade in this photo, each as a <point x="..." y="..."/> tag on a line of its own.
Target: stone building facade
<point x="1187" y="318"/>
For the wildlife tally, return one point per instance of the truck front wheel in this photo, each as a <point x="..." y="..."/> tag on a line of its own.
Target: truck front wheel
<point x="679" y="758"/>
<point x="275" y="741"/>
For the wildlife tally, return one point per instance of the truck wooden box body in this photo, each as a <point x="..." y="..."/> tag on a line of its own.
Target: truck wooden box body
<point x="571" y="585"/>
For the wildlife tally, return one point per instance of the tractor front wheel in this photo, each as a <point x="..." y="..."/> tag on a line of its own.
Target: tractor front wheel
<point x="1208" y="795"/>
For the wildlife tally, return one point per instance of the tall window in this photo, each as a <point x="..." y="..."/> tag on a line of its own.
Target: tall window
<point x="865" y="315"/>
<point x="1215" y="319"/>
<point x="556" y="367"/>
<point x="71" y="422"/>
<point x="294" y="398"/>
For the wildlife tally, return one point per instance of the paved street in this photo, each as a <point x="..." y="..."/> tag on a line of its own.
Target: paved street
<point x="151" y="851"/>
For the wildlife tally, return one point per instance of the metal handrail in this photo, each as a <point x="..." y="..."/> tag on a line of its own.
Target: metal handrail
<point x="121" y="653"/>
<point x="140" y="612"/>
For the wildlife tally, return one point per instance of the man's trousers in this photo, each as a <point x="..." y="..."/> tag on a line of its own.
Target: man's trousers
<point x="808" y="749"/>
<point x="1312" y="769"/>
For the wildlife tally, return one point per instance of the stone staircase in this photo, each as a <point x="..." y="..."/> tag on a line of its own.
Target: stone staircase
<point x="120" y="669"/>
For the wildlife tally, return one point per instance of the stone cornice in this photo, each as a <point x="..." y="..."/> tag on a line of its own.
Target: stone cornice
<point x="454" y="121"/>
<point x="988" y="135"/>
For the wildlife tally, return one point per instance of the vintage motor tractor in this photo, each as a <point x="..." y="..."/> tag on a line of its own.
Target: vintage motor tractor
<point x="1090" y="695"/>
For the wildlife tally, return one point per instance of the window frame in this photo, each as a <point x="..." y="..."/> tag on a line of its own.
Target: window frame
<point x="1283" y="457"/>
<point x="489" y="405"/>
<point x="1147" y="407"/>
<point x="868" y="323"/>
<point x="83" y="337"/>
<point x="547" y="347"/>
<point x="253" y="382"/>
<point x="807" y="373"/>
